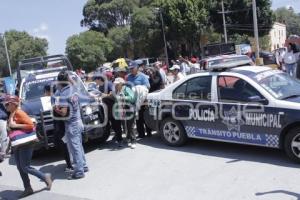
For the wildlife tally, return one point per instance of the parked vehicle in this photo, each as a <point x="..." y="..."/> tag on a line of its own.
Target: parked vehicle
<point x="38" y="106"/>
<point x="251" y="105"/>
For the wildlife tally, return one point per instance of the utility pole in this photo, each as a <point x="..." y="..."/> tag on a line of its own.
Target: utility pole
<point x="224" y="22"/>
<point x="164" y="36"/>
<point x="7" y="55"/>
<point x="255" y="29"/>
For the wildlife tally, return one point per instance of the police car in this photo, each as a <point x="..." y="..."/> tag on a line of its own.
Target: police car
<point x="214" y="61"/>
<point x="35" y="103"/>
<point x="251" y="105"/>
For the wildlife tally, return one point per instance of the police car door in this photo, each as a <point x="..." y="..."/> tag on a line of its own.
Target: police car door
<point x="244" y="116"/>
<point x="192" y="104"/>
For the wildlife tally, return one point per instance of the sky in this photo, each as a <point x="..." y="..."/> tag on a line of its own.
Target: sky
<point x="56" y="20"/>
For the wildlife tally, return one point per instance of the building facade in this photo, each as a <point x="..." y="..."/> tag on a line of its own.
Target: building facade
<point x="278" y="36"/>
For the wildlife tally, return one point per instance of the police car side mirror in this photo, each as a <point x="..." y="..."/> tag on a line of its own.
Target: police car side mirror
<point x="258" y="99"/>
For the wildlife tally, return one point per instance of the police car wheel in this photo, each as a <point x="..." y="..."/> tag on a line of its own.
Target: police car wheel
<point x="172" y="132"/>
<point x="292" y="144"/>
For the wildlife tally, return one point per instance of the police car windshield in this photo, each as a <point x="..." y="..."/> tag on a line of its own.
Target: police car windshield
<point x="279" y="84"/>
<point x="35" y="89"/>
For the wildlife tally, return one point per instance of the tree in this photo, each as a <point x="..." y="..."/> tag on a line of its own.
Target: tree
<point x="185" y="21"/>
<point x="146" y="33"/>
<point x="21" y="46"/>
<point x="121" y="42"/>
<point x="101" y="15"/>
<point x="240" y="18"/>
<point x="88" y="49"/>
<point x="290" y="18"/>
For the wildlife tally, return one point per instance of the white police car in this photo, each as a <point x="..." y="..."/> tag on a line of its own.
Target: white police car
<point x="252" y="105"/>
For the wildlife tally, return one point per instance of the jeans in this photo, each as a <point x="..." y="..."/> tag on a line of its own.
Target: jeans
<point x="3" y="136"/>
<point x="291" y="69"/>
<point x="74" y="141"/>
<point x="23" y="158"/>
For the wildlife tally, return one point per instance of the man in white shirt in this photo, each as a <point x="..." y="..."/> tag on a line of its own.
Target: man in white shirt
<point x="175" y="69"/>
<point x="290" y="61"/>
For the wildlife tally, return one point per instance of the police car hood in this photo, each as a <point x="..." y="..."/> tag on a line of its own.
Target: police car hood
<point x="34" y="107"/>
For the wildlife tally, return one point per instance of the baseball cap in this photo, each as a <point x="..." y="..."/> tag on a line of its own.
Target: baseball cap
<point x="119" y="80"/>
<point x="132" y="65"/>
<point x="175" y="67"/>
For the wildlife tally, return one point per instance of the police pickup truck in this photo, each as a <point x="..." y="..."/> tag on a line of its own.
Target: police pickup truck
<point x="35" y="103"/>
<point x="251" y="105"/>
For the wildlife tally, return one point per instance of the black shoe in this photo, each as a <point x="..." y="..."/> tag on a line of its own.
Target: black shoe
<point x="141" y="136"/>
<point x="76" y="176"/>
<point x="120" y="144"/>
<point x="86" y="169"/>
<point x="27" y="192"/>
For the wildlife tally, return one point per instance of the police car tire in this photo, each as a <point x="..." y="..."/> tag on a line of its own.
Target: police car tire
<point x="182" y="134"/>
<point x="288" y="144"/>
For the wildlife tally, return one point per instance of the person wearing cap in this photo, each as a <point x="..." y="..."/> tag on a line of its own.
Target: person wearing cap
<point x="124" y="110"/>
<point x="137" y="78"/>
<point x="175" y="69"/>
<point x="67" y="106"/>
<point x="19" y="120"/>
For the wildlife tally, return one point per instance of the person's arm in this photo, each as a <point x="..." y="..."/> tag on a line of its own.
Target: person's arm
<point x="62" y="111"/>
<point x="146" y="82"/>
<point x="23" y="121"/>
<point x="129" y="95"/>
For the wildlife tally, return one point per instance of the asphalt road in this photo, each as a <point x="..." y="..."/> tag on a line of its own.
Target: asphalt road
<point x="200" y="170"/>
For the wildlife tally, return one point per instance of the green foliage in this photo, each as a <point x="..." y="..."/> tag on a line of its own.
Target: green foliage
<point x="101" y="15"/>
<point x="21" y="46"/>
<point x="146" y="33"/>
<point x="121" y="41"/>
<point x="240" y="21"/>
<point x="88" y="49"/>
<point x="134" y="26"/>
<point x="290" y="18"/>
<point x="185" y="20"/>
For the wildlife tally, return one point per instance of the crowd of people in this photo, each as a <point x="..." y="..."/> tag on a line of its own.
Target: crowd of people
<point x="123" y="91"/>
<point x="288" y="59"/>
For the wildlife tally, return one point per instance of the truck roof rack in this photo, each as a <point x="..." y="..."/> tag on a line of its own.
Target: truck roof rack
<point x="43" y="64"/>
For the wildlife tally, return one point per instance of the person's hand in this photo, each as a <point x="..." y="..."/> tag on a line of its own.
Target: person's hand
<point x="12" y="124"/>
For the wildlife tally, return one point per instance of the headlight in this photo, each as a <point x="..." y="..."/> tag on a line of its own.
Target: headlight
<point x="88" y="110"/>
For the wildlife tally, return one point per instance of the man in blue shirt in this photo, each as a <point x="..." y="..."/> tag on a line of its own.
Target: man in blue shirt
<point x="138" y="78"/>
<point x="67" y="106"/>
